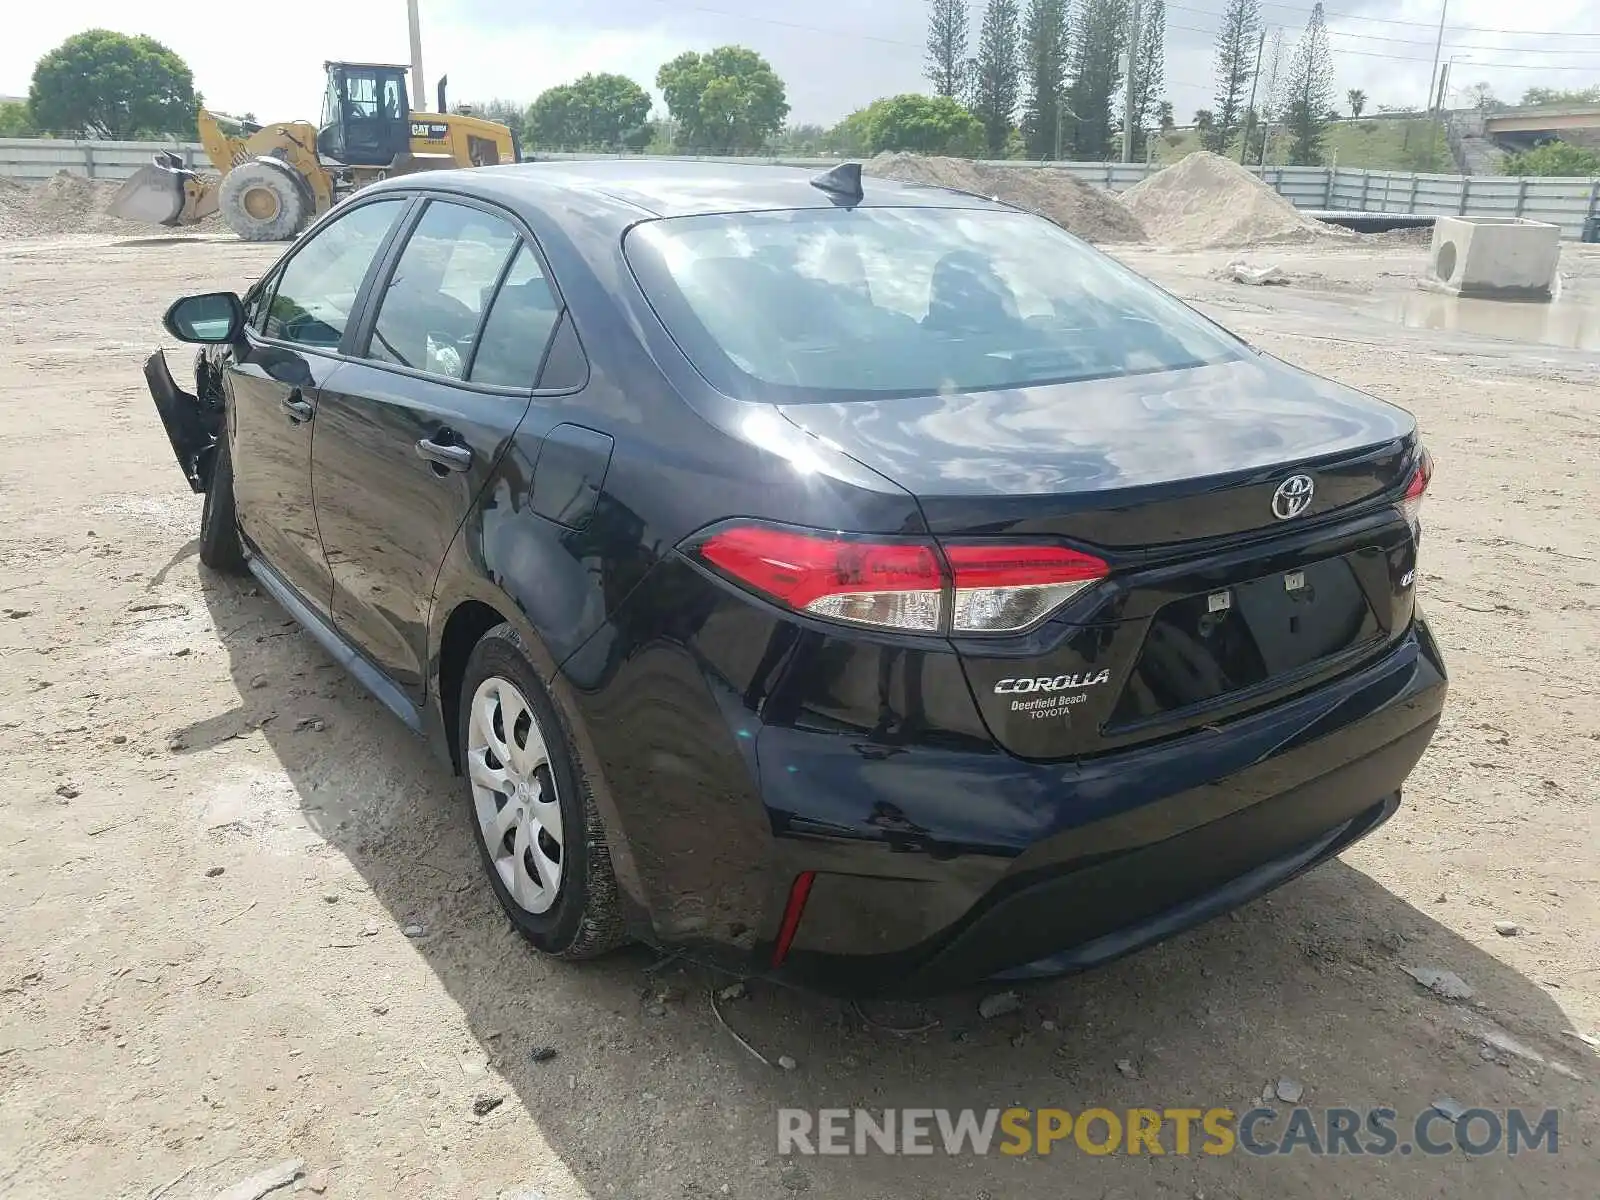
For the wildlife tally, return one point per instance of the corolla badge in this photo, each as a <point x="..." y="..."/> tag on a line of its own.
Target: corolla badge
<point x="1293" y="496"/>
<point x="1051" y="683"/>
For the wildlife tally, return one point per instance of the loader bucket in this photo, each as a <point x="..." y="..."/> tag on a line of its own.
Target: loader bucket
<point x="153" y="194"/>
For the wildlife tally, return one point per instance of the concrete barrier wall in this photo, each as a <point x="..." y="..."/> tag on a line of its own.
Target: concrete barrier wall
<point x="34" y="159"/>
<point x="1568" y="203"/>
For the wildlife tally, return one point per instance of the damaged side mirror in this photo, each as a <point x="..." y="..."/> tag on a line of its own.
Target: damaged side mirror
<point x="213" y="317"/>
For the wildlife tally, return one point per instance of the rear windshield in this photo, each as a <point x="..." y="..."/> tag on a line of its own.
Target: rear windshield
<point x="817" y="304"/>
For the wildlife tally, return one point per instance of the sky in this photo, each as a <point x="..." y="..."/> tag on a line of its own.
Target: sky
<point x="834" y="55"/>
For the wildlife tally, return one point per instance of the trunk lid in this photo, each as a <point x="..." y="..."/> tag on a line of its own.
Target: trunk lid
<point x="1230" y="587"/>
<point x="1144" y="460"/>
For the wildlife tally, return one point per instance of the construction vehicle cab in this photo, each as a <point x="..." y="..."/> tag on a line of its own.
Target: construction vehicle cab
<point x="366" y="115"/>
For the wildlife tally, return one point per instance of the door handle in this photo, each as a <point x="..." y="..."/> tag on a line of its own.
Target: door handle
<point x="446" y="455"/>
<point x="296" y="407"/>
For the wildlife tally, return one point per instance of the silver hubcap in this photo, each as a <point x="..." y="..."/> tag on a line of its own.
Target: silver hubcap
<point x="514" y="794"/>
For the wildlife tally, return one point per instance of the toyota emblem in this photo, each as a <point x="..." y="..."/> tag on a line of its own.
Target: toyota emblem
<point x="1293" y="497"/>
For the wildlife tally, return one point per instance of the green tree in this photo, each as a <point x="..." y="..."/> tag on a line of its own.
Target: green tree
<point x="1046" y="48"/>
<point x="1235" y="62"/>
<point x="1357" y="100"/>
<point x="949" y="25"/>
<point x="1308" y="92"/>
<point x="850" y="136"/>
<point x="997" y="83"/>
<point x="110" y="85"/>
<point x="1553" y="158"/>
<point x="914" y="123"/>
<point x="1164" y="116"/>
<point x="508" y="112"/>
<point x="1099" y="39"/>
<point x="658" y="132"/>
<point x="15" y="121"/>
<point x="1566" y="96"/>
<point x="596" y="112"/>
<point x="802" y="139"/>
<point x="1149" y="73"/>
<point x="727" y="100"/>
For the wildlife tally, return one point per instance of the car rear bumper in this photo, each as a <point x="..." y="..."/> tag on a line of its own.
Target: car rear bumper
<point x="992" y="867"/>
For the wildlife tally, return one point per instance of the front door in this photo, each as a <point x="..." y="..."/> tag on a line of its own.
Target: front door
<point x="409" y="436"/>
<point x="277" y="379"/>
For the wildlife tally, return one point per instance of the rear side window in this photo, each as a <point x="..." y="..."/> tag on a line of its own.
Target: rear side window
<point x="832" y="304"/>
<point x="318" y="287"/>
<point x="433" y="305"/>
<point x="520" y="323"/>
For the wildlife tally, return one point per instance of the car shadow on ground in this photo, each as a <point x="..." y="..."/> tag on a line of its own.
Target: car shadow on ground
<point x="650" y="1095"/>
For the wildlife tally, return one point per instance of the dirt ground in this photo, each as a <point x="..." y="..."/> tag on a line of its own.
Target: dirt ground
<point x="214" y="845"/>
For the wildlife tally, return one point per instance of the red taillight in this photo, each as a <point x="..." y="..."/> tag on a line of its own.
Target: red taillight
<point x="902" y="584"/>
<point x="894" y="584"/>
<point x="799" y="892"/>
<point x="1411" y="503"/>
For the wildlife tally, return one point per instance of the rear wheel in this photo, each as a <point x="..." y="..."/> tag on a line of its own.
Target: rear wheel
<point x="540" y="836"/>
<point x="261" y="203"/>
<point x="220" y="548"/>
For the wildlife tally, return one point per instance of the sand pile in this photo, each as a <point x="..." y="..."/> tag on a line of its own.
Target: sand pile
<point x="67" y="204"/>
<point x="1207" y="200"/>
<point x="1080" y="208"/>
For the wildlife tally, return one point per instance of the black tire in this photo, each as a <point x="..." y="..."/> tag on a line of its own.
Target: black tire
<point x="261" y="203"/>
<point x="585" y="921"/>
<point x="220" y="548"/>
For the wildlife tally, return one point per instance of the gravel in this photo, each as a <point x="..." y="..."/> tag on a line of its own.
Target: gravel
<point x="1207" y="200"/>
<point x="1080" y="208"/>
<point x="66" y="205"/>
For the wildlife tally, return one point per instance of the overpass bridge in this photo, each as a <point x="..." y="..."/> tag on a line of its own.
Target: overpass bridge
<point x="1522" y="127"/>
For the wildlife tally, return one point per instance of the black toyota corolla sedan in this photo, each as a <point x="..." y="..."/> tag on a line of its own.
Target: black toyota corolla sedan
<point x="867" y="584"/>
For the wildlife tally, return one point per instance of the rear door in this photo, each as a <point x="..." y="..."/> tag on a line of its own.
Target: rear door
<point x="276" y="380"/>
<point x="452" y="345"/>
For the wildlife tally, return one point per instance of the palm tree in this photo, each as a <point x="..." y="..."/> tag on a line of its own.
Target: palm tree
<point x="1357" y="99"/>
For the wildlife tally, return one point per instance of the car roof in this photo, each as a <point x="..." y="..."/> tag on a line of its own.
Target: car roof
<point x="626" y="190"/>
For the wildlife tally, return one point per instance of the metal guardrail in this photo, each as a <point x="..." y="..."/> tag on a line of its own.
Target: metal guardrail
<point x="1567" y="203"/>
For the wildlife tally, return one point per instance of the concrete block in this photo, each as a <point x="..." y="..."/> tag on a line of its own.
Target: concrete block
<point x="1494" y="258"/>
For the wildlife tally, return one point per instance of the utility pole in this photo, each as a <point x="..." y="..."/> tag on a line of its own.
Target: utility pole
<point x="1438" y="45"/>
<point x="1128" y="115"/>
<point x="1250" y="109"/>
<point x="1438" y="115"/>
<point x="419" y="85"/>
<point x="1062" y="113"/>
<point x="1272" y="92"/>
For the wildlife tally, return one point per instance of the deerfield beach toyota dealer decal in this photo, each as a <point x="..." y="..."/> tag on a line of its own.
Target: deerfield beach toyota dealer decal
<point x="1052" y="703"/>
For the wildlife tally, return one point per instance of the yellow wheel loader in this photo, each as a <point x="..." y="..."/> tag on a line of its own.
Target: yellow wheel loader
<point x="276" y="178"/>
